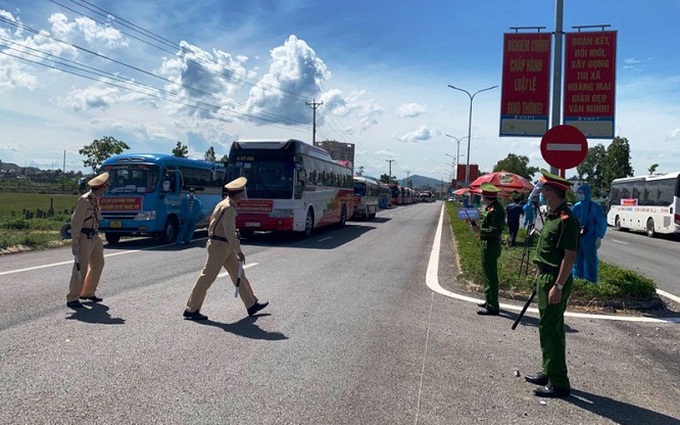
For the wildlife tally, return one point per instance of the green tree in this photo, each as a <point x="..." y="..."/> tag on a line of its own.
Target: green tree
<point x="225" y="160"/>
<point x="517" y="164"/>
<point x="210" y="155"/>
<point x="652" y="168"/>
<point x="384" y="178"/>
<point x="180" y="150"/>
<point x="616" y="162"/>
<point x="592" y="168"/>
<point x="99" y="150"/>
<point x="360" y="171"/>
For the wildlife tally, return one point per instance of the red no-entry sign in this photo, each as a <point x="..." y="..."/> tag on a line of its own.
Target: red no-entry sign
<point x="564" y="147"/>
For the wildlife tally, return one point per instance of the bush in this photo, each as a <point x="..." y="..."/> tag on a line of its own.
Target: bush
<point x="615" y="283"/>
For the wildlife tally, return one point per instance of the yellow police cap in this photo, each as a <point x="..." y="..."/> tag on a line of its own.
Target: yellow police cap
<point x="554" y="180"/>
<point x="236" y="184"/>
<point x="489" y="190"/>
<point x="99" y="181"/>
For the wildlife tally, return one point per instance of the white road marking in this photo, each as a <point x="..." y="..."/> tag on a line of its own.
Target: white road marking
<point x="432" y="280"/>
<point x="618" y="241"/>
<point x="247" y="266"/>
<point x="324" y="239"/>
<point x="61" y="263"/>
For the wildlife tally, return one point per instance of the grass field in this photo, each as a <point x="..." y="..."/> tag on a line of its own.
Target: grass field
<point x="32" y="201"/>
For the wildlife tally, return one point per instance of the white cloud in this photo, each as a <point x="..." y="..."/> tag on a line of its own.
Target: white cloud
<point x="208" y="79"/>
<point x="419" y="135"/>
<point x="92" y="97"/>
<point x="411" y="110"/>
<point x="295" y="76"/>
<point x="674" y="134"/>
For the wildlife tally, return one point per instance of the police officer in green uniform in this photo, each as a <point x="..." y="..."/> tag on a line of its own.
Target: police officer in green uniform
<point x="555" y="256"/>
<point x="489" y="232"/>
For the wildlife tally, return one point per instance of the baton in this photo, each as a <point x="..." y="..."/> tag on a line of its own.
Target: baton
<point x="238" y="279"/>
<point x="472" y="222"/>
<point x="524" y="310"/>
<point x="75" y="258"/>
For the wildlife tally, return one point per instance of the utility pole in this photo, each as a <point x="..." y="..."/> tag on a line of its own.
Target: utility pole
<point x="389" y="176"/>
<point x="314" y="105"/>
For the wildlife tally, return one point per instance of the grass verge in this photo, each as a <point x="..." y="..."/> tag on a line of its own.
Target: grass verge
<point x="617" y="288"/>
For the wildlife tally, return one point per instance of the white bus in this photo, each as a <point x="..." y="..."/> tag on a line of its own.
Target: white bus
<point x="646" y="203"/>
<point x="366" y="194"/>
<point x="292" y="186"/>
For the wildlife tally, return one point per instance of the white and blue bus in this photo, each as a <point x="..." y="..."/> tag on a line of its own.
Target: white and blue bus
<point x="366" y="196"/>
<point x="145" y="193"/>
<point x="646" y="203"/>
<point x="292" y="186"/>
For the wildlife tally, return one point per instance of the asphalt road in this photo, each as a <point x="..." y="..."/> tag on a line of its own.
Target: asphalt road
<point x="656" y="258"/>
<point x="353" y="335"/>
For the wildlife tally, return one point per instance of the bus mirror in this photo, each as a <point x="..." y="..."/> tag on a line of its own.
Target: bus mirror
<point x="166" y="186"/>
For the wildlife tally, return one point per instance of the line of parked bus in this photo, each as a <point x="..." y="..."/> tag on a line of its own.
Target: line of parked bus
<point x="292" y="186"/>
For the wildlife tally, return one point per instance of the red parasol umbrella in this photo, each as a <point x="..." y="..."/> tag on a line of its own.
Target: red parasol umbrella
<point x="505" y="181"/>
<point x="461" y="192"/>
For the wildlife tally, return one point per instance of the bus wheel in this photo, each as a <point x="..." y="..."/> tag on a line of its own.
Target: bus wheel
<point x="617" y="223"/>
<point x="112" y="238"/>
<point x="343" y="217"/>
<point x="309" y="224"/>
<point x="246" y="233"/>
<point x="169" y="234"/>
<point x="650" y="228"/>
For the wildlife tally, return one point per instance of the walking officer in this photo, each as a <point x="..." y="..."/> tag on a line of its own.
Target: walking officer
<point x="224" y="250"/>
<point x="86" y="245"/>
<point x="489" y="232"/>
<point x="555" y="255"/>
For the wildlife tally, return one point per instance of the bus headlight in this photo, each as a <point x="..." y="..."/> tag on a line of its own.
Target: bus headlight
<point x="146" y="215"/>
<point x="282" y="213"/>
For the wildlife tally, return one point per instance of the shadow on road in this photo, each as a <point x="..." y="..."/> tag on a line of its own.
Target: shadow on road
<point x="531" y="321"/>
<point x="97" y="313"/>
<point x="246" y="328"/>
<point x="618" y="411"/>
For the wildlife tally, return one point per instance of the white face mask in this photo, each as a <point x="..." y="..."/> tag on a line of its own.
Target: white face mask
<point x="580" y="196"/>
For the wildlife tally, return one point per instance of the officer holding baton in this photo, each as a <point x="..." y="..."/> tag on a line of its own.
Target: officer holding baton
<point x="224" y="250"/>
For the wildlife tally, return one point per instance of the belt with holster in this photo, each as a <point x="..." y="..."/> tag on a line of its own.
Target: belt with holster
<point x="546" y="269"/>
<point x="90" y="233"/>
<point x="218" y="238"/>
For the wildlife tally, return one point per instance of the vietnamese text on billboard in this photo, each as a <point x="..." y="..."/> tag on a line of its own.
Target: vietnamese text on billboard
<point x="525" y="96"/>
<point x="589" y="82"/>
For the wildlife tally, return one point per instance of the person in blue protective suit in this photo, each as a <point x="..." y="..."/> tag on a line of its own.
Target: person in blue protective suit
<point x="528" y="208"/>
<point x="593" y="225"/>
<point x="191" y="213"/>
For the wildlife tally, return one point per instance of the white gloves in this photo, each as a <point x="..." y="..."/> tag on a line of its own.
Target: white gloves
<point x="598" y="243"/>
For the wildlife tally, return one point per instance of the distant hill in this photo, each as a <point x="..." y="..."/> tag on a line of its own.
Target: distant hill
<point x="422" y="181"/>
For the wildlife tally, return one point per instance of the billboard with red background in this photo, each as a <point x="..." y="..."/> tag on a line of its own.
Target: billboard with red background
<point x="590" y="82"/>
<point x="525" y="95"/>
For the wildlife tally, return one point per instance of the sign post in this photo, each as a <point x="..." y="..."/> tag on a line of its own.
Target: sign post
<point x="564" y="147"/>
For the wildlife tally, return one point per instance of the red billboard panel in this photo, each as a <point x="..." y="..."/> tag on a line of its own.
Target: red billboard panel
<point x="460" y="174"/>
<point x="525" y="96"/>
<point x="590" y="82"/>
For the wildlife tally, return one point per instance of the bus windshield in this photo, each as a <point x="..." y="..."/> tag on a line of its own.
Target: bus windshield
<point x="360" y="188"/>
<point x="269" y="175"/>
<point x="132" y="178"/>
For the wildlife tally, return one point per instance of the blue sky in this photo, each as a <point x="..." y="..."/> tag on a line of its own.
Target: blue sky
<point x="245" y="69"/>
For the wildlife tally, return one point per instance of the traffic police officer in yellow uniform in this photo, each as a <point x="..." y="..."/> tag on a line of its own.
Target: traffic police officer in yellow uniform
<point x="555" y="256"/>
<point x="489" y="232"/>
<point x="224" y="250"/>
<point x="86" y="245"/>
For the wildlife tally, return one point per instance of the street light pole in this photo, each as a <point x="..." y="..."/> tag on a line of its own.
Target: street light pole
<point x="472" y="97"/>
<point x="457" y="154"/>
